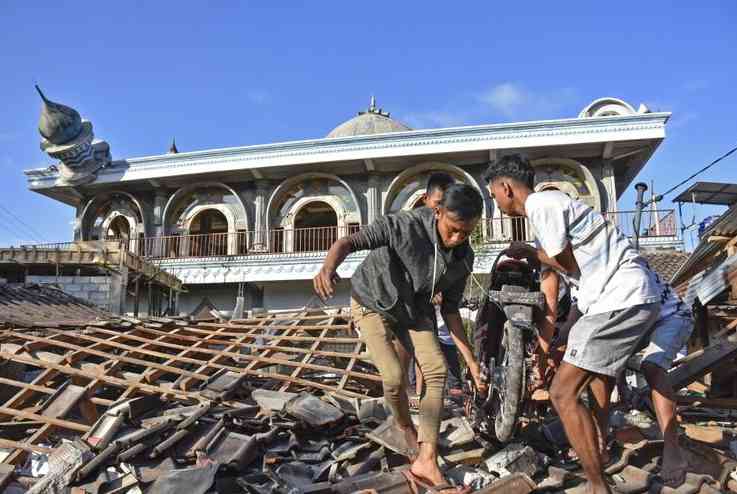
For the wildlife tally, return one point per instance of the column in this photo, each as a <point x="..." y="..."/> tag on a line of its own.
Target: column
<point x="118" y="290"/>
<point x="155" y="247"/>
<point x="78" y="223"/>
<point x="373" y="198"/>
<point x="610" y="185"/>
<point x="260" y="235"/>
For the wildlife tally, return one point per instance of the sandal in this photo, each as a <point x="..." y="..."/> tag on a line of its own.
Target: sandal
<point x="414" y="402"/>
<point x="442" y="488"/>
<point x="676" y="478"/>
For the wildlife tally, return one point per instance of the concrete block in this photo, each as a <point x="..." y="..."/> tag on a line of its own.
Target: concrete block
<point x="515" y="458"/>
<point x="272" y="400"/>
<point x="98" y="298"/>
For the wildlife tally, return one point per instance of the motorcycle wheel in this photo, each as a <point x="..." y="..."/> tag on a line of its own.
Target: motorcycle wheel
<point x="509" y="396"/>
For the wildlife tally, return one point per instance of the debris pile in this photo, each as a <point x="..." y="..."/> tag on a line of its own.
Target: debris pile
<point x="286" y="403"/>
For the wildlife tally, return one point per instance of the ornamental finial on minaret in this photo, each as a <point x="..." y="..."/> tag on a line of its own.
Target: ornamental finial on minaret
<point x="66" y="137"/>
<point x="59" y="123"/>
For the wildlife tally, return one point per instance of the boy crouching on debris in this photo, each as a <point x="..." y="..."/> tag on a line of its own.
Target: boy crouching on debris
<point x="414" y="255"/>
<point x="618" y="299"/>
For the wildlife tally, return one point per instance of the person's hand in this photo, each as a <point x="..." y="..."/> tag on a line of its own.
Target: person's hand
<point x="547" y="364"/>
<point x="324" y="283"/>
<point x="475" y="370"/>
<point x="521" y="250"/>
<point x="438" y="299"/>
<point x="543" y="345"/>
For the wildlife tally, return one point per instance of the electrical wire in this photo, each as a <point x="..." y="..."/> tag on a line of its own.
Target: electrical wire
<point x="9" y="226"/>
<point x="30" y="231"/>
<point x="725" y="155"/>
<point x="12" y="230"/>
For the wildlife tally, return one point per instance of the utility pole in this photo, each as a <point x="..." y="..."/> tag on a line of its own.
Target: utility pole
<point x="641" y="187"/>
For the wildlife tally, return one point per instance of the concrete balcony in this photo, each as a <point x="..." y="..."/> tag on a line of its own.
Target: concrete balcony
<point x="297" y="254"/>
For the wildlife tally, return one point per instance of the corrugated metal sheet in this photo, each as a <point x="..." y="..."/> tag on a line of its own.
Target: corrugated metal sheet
<point x="715" y="282"/>
<point x="725" y="226"/>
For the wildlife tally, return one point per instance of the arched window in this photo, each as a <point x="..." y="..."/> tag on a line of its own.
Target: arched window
<point x="315" y="227"/>
<point x="209" y="234"/>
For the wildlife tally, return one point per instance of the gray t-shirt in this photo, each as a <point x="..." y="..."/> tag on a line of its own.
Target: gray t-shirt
<point x="613" y="275"/>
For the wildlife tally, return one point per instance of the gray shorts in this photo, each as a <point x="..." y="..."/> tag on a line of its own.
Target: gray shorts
<point x="603" y="343"/>
<point x="668" y="337"/>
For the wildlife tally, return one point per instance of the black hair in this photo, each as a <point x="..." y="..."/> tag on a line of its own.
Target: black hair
<point x="464" y="201"/>
<point x="438" y="181"/>
<point x="514" y="166"/>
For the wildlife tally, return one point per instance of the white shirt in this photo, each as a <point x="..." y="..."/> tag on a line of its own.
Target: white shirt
<point x="671" y="304"/>
<point x="613" y="275"/>
<point x="443" y="332"/>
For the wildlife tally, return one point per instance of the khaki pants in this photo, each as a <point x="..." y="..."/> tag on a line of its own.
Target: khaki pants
<point x="378" y="334"/>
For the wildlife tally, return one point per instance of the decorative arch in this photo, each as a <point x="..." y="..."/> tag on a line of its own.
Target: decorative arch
<point x="398" y="184"/>
<point x="196" y="211"/>
<point x="334" y="202"/>
<point x="607" y="107"/>
<point x="303" y="178"/>
<point x="315" y="237"/>
<point x="118" y="215"/>
<point x="101" y="210"/>
<point x="182" y="192"/>
<point x="568" y="176"/>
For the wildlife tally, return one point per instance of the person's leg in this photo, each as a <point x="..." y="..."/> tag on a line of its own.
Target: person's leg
<point x="378" y="338"/>
<point x="405" y="360"/>
<point x="578" y="423"/>
<point x="419" y="379"/>
<point x="601" y="392"/>
<point x="598" y="345"/>
<point x="674" y="463"/>
<point x="669" y="336"/>
<point x="454" y="366"/>
<point x="434" y="371"/>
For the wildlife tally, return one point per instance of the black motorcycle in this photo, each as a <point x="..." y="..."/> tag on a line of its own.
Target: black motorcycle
<point x="505" y="341"/>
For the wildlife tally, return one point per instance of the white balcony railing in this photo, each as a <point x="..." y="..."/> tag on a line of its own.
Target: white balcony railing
<point x="300" y="241"/>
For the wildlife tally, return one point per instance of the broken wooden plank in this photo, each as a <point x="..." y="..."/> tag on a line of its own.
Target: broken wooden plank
<point x="701" y="362"/>
<point x="728" y="403"/>
<point x="65" y="424"/>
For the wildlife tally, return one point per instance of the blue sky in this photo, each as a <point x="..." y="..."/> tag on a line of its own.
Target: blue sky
<point x="228" y="74"/>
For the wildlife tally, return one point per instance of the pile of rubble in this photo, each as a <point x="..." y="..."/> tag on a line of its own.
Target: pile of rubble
<point x="243" y="440"/>
<point x="283" y="403"/>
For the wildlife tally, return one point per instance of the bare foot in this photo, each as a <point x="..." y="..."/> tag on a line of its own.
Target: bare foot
<point x="427" y="470"/>
<point x="673" y="471"/>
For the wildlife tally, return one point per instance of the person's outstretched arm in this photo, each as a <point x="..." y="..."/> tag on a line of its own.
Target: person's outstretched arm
<point x="377" y="234"/>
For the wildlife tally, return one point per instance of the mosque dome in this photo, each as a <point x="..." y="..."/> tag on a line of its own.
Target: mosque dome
<point x="372" y="121"/>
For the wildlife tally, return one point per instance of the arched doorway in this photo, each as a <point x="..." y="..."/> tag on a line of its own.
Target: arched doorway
<point x="315" y="227"/>
<point x="209" y="234"/>
<point x="118" y="229"/>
